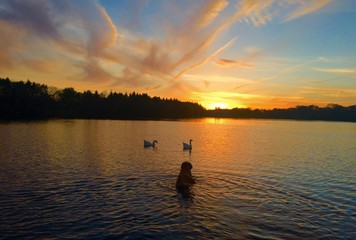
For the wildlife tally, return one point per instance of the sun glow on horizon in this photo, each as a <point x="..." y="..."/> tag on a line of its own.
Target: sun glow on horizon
<point x="218" y="106"/>
<point x="219" y="99"/>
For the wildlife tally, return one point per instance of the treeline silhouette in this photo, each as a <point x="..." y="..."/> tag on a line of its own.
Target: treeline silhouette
<point x="29" y="100"/>
<point x="332" y="112"/>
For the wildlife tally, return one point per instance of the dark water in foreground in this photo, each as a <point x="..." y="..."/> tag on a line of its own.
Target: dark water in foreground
<point x="255" y="180"/>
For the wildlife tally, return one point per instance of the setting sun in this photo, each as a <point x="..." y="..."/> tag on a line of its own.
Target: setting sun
<point x="218" y="105"/>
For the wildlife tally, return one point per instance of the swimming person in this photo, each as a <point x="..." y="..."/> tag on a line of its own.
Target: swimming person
<point x="185" y="179"/>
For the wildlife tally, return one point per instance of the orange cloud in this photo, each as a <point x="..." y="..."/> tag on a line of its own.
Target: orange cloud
<point x="94" y="72"/>
<point x="260" y="12"/>
<point x="337" y="70"/>
<point x="195" y="66"/>
<point x="255" y="10"/>
<point x="44" y="66"/>
<point x="209" y="12"/>
<point x="230" y="63"/>
<point x="328" y="95"/>
<point x="307" y="7"/>
<point x="100" y="38"/>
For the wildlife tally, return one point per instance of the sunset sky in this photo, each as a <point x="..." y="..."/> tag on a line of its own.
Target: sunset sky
<point x="247" y="53"/>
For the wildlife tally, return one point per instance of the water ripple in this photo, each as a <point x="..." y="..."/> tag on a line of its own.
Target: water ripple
<point x="69" y="183"/>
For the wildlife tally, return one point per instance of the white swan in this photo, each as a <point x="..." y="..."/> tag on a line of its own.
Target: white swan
<point x="187" y="146"/>
<point x="149" y="144"/>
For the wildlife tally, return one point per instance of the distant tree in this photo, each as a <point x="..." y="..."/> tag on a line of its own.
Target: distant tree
<point x="20" y="100"/>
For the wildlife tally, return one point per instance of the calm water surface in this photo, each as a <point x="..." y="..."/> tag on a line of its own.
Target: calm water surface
<point x="256" y="179"/>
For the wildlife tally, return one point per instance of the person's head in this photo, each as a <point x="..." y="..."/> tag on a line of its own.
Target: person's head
<point x="186" y="166"/>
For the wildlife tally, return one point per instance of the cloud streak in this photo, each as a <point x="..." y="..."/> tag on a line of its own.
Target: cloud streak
<point x="194" y="66"/>
<point x="307" y="7"/>
<point x="231" y="63"/>
<point x="208" y="13"/>
<point x="336" y="70"/>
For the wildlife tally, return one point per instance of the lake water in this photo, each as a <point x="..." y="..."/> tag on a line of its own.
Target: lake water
<point x="256" y="179"/>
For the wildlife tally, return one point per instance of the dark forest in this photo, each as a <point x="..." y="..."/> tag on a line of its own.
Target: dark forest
<point x="30" y="101"/>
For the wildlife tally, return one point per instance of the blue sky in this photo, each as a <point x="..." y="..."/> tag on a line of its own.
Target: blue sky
<point x="243" y="53"/>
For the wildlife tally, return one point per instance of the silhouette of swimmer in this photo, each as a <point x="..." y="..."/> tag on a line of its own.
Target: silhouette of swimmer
<point x="185" y="179"/>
